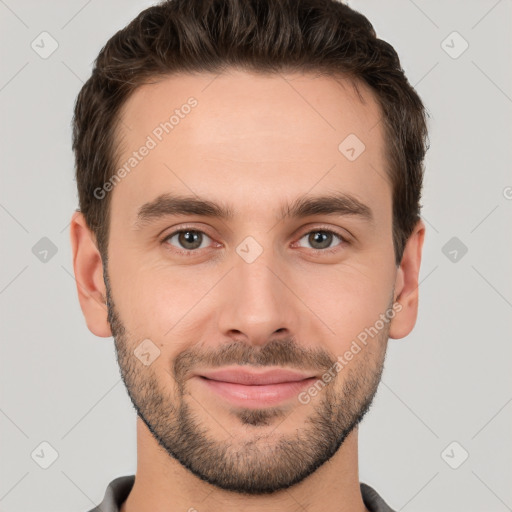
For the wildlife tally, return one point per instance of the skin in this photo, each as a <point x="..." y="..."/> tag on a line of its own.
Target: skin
<point x="254" y="142"/>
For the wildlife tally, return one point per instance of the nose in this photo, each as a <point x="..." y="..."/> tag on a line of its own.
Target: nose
<point x="258" y="303"/>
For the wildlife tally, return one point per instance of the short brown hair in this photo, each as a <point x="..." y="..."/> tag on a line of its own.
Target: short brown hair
<point x="269" y="36"/>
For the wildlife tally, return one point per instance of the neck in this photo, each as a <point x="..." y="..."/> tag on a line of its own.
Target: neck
<point x="162" y="483"/>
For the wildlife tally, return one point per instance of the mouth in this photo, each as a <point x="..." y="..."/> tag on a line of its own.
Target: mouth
<point x="252" y="389"/>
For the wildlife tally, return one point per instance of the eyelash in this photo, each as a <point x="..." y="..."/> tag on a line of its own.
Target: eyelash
<point x="193" y="252"/>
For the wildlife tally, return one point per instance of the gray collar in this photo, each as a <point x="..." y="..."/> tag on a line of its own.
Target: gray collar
<point x="118" y="490"/>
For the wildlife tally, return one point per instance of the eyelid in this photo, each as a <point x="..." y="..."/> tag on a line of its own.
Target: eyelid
<point x="182" y="227"/>
<point x="343" y="233"/>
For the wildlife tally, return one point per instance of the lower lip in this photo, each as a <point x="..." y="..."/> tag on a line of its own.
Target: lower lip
<point x="256" y="396"/>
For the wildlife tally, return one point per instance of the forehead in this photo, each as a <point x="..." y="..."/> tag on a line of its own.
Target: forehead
<point x="232" y="134"/>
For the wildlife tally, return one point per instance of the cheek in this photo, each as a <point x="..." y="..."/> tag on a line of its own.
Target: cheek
<point x="164" y="305"/>
<point x="347" y="301"/>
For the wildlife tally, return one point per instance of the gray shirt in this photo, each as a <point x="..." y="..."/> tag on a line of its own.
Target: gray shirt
<point x="118" y="490"/>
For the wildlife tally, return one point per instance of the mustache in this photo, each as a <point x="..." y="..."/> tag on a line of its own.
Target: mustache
<point x="282" y="352"/>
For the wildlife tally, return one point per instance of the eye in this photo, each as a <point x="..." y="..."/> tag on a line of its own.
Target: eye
<point x="321" y="239"/>
<point x="187" y="239"/>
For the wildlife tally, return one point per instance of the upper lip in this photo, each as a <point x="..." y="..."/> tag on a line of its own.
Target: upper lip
<point x="255" y="378"/>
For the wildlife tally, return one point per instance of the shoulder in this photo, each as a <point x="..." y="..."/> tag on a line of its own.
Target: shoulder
<point x="116" y="493"/>
<point x="372" y="499"/>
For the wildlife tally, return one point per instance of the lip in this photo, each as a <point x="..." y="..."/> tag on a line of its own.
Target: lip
<point x="253" y="390"/>
<point x="255" y="378"/>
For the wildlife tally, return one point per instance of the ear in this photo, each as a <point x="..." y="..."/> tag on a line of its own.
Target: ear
<point x="88" y="268"/>
<point x="406" y="284"/>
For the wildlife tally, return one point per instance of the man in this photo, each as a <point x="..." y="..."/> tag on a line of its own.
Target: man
<point x="249" y="176"/>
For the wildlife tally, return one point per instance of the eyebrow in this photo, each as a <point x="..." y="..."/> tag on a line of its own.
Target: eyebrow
<point x="304" y="206"/>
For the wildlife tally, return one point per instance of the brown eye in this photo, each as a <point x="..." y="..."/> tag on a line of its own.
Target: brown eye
<point x="322" y="239"/>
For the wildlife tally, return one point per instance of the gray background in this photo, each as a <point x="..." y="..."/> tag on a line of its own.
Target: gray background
<point x="448" y="381"/>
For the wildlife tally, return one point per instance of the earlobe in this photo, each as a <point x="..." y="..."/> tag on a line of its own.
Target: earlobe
<point x="88" y="269"/>
<point x="406" y="284"/>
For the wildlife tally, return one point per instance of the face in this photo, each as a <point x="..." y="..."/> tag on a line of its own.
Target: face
<point x="299" y="265"/>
